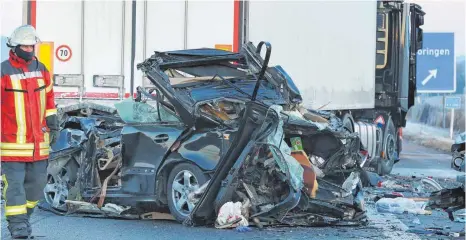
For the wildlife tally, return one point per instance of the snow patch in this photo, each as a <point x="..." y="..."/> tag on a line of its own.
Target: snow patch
<point x="428" y="136"/>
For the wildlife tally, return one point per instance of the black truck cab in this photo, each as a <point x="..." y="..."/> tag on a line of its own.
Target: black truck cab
<point x="399" y="36"/>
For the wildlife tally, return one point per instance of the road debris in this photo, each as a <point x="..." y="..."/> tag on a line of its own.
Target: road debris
<point x="460" y="216"/>
<point x="231" y="216"/>
<point x="401" y="205"/>
<point x="243" y="229"/>
<point x="450" y="200"/>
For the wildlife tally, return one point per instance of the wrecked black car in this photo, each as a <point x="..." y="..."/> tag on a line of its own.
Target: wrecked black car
<point x="214" y="127"/>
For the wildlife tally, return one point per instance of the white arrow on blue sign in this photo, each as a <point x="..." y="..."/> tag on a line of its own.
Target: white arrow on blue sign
<point x="436" y="64"/>
<point x="453" y="102"/>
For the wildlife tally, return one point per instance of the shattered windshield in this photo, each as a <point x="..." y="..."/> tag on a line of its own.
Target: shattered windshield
<point x="140" y="112"/>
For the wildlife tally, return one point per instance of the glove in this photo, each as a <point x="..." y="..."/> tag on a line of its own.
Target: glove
<point x="52" y="124"/>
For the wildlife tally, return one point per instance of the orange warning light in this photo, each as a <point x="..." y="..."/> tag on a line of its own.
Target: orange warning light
<point x="225" y="47"/>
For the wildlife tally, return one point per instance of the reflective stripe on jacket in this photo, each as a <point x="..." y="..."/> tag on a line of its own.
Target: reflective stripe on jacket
<point x="26" y="99"/>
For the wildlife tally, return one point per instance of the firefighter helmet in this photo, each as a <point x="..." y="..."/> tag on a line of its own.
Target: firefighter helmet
<point x="23" y="35"/>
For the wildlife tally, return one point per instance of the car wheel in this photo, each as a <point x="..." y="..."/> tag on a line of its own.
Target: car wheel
<point x="57" y="189"/>
<point x="390" y="149"/>
<point x="183" y="179"/>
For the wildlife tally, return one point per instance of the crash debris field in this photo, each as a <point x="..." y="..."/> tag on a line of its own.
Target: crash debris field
<point x="204" y="151"/>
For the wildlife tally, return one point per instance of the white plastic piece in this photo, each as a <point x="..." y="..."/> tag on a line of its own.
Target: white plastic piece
<point x="400" y="205"/>
<point x="229" y="214"/>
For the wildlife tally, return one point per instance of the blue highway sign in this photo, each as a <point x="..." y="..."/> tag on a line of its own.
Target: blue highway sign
<point x="453" y="102"/>
<point x="436" y="64"/>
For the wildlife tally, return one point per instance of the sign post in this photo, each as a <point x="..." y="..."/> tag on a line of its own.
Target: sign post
<point x="443" y="110"/>
<point x="436" y="64"/>
<point x="452" y="103"/>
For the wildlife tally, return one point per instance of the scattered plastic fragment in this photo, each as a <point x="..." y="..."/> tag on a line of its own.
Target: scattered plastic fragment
<point x="229" y="216"/>
<point x="374" y="179"/>
<point x="432" y="183"/>
<point x="417" y="221"/>
<point x="400" y="205"/>
<point x="429" y="231"/>
<point x="460" y="216"/>
<point x="243" y="229"/>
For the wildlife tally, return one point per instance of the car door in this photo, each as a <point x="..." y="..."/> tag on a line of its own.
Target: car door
<point x="150" y="131"/>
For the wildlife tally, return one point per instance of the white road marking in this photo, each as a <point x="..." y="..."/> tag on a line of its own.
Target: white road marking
<point x="425" y="172"/>
<point x="391" y="227"/>
<point x="425" y="155"/>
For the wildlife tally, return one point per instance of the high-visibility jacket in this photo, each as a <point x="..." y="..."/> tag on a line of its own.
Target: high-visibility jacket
<point x="26" y="100"/>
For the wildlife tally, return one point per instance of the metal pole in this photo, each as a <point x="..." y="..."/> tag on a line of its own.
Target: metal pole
<point x="452" y="121"/>
<point x="244" y="24"/>
<point x="444" y="115"/>
<point x="144" y="44"/>
<point x="81" y="91"/>
<point x="26" y="15"/>
<point x="122" y="63"/>
<point x="185" y="24"/>
<point x="133" y="45"/>
<point x="144" y="40"/>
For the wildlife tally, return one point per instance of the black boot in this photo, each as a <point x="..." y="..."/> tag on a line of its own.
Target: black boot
<point x="30" y="211"/>
<point x="19" y="226"/>
<point x="19" y="231"/>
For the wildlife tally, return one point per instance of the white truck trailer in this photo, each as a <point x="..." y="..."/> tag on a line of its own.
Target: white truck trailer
<point x="356" y="58"/>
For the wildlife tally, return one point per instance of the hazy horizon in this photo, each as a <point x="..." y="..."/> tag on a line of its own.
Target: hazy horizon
<point x="446" y="16"/>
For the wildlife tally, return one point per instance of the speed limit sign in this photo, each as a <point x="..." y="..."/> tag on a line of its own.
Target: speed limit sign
<point x="63" y="53"/>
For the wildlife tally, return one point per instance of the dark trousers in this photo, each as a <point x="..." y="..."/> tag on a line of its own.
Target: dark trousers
<point x="22" y="189"/>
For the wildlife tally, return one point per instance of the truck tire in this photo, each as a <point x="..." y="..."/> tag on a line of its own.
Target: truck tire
<point x="390" y="149"/>
<point x="348" y="122"/>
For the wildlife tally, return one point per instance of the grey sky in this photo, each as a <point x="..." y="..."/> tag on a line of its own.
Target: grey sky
<point x="446" y="16"/>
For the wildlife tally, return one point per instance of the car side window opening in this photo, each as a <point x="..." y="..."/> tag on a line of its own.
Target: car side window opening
<point x="131" y="111"/>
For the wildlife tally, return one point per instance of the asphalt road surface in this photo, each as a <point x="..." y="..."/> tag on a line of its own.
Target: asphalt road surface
<point x="420" y="161"/>
<point x="416" y="160"/>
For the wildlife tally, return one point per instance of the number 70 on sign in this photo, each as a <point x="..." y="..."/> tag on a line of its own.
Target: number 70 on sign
<point x="63" y="53"/>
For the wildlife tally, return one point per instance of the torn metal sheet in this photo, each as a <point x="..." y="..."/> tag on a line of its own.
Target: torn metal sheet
<point x="84" y="209"/>
<point x="292" y="166"/>
<point x="69" y="138"/>
<point x="156" y="216"/>
<point x="449" y="200"/>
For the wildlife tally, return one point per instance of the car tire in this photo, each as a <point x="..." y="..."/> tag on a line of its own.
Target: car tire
<point x="58" y="186"/>
<point x="390" y="149"/>
<point x="177" y="194"/>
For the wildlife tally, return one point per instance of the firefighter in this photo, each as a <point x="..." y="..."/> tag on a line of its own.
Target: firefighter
<point x="29" y="125"/>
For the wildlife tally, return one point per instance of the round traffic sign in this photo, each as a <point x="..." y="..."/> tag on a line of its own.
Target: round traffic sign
<point x="63" y="53"/>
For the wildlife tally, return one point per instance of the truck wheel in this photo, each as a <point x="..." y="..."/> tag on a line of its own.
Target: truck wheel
<point x="390" y="149"/>
<point x="184" y="178"/>
<point x="348" y="122"/>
